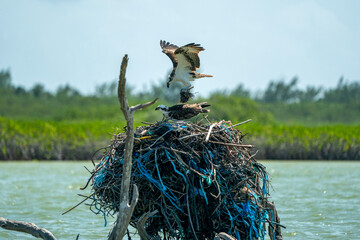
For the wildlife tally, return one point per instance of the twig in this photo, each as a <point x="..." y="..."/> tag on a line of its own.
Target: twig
<point x="278" y="224"/>
<point x="78" y="204"/>
<point x="147" y="123"/>
<point x="194" y="135"/>
<point x="253" y="155"/>
<point x="233" y="144"/>
<point x="209" y="132"/>
<point x="159" y="138"/>
<point x="238" y="124"/>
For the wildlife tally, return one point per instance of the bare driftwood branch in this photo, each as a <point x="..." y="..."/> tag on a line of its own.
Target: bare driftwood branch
<point x="224" y="236"/>
<point x="26" y="227"/>
<point x="142" y="106"/>
<point x="123" y="219"/>
<point x="126" y="209"/>
<point x="140" y="226"/>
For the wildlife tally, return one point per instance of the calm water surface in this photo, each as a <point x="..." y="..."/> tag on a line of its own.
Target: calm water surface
<point x="315" y="200"/>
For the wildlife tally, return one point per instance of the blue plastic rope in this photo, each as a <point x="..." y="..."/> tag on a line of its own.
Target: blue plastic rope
<point x="158" y="184"/>
<point x="99" y="210"/>
<point x="170" y="157"/>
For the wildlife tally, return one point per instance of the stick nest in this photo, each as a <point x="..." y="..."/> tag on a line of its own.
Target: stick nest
<point x="200" y="177"/>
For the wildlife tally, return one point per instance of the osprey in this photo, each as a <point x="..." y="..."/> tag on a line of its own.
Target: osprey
<point x="183" y="111"/>
<point x="185" y="62"/>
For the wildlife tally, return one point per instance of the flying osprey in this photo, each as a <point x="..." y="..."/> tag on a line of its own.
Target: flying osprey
<point x="185" y="62"/>
<point x="183" y="111"/>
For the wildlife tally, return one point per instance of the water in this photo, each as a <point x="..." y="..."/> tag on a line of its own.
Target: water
<point x="41" y="192"/>
<point x="315" y="200"/>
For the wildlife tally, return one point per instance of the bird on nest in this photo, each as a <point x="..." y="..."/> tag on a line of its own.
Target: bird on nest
<point x="185" y="61"/>
<point x="183" y="111"/>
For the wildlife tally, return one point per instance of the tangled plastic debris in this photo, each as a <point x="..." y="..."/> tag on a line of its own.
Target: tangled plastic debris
<point x="201" y="178"/>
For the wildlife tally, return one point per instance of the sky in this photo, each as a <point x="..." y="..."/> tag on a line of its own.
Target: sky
<point x="82" y="42"/>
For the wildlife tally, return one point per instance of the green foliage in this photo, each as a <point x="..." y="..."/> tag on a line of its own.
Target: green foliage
<point x="38" y="91"/>
<point x="280" y="102"/>
<point x="314" y="113"/>
<point x="281" y="92"/>
<point x="108" y="90"/>
<point x="5" y="79"/>
<point x="79" y="139"/>
<point x="37" y="139"/>
<point x="240" y="91"/>
<point x="66" y="92"/>
<point x="170" y="95"/>
<point x="314" y="105"/>
<point x="345" y="92"/>
<point x="309" y="95"/>
<point x="237" y="109"/>
<point x="67" y="125"/>
<point x="330" y="142"/>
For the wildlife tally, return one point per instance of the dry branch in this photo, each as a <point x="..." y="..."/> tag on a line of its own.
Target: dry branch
<point x="126" y="209"/>
<point x="26" y="227"/>
<point x="140" y="226"/>
<point x="225" y="236"/>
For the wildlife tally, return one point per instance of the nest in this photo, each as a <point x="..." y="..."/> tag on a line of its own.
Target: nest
<point x="200" y="178"/>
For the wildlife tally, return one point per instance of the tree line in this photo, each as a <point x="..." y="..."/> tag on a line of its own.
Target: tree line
<point x="275" y="92"/>
<point x="281" y="101"/>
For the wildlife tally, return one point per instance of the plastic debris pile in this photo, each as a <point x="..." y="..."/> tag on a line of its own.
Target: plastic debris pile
<point x="200" y="177"/>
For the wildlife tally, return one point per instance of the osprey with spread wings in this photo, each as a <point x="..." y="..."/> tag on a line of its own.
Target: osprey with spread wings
<point x="185" y="61"/>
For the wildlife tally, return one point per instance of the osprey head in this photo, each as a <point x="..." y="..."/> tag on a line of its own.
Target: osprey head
<point x="162" y="108"/>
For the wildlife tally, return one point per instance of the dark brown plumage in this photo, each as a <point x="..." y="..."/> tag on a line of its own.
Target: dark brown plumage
<point x="185" y="94"/>
<point x="183" y="111"/>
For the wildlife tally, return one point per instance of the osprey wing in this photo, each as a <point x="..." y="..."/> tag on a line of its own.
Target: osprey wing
<point x="184" y="111"/>
<point x="169" y="49"/>
<point x="188" y="56"/>
<point x="176" y="108"/>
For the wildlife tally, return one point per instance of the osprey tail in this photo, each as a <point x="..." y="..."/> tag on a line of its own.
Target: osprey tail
<point x="204" y="105"/>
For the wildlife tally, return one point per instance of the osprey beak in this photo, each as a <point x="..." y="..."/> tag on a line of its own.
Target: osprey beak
<point x="157" y="108"/>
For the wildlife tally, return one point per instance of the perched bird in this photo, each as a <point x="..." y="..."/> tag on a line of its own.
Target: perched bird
<point x="185" y="62"/>
<point x="183" y="111"/>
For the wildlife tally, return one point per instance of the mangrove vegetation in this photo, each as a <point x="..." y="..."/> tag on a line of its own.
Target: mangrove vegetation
<point x="288" y="122"/>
